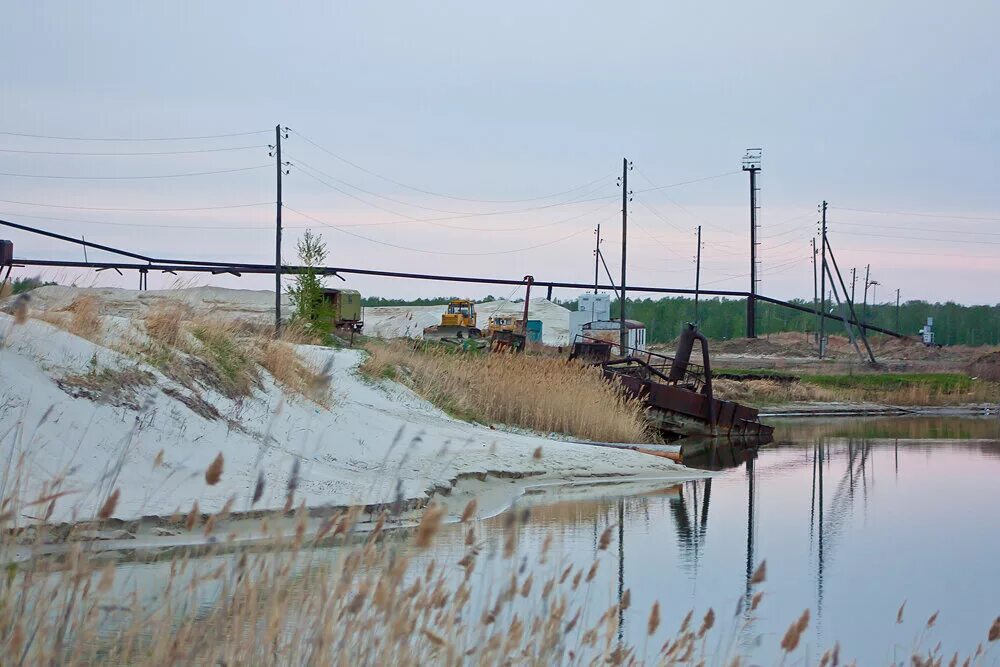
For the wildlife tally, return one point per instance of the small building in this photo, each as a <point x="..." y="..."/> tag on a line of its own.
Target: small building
<point x="610" y="331"/>
<point x="590" y="307"/>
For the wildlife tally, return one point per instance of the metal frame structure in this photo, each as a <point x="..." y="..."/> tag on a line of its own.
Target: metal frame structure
<point x="145" y="264"/>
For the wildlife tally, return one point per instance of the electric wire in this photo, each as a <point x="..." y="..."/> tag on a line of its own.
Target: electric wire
<point x="208" y="136"/>
<point x="923" y="238"/>
<point x="866" y="225"/>
<point x="135" y="178"/>
<point x="134" y="153"/>
<point x="136" y="225"/>
<point x="434" y="221"/>
<point x="700" y="219"/>
<point x="137" y="210"/>
<point x="917" y="215"/>
<point x="438" y="194"/>
<point x="433" y="252"/>
<point x="301" y="163"/>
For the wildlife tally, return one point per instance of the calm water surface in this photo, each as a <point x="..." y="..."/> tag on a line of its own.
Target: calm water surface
<point x="854" y="517"/>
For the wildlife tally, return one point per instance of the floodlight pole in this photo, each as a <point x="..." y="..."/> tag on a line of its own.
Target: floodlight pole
<point x="751" y="163"/>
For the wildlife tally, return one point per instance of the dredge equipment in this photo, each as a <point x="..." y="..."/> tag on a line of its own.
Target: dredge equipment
<point x="677" y="394"/>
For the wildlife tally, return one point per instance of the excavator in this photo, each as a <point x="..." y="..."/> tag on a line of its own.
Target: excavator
<point x="458" y="325"/>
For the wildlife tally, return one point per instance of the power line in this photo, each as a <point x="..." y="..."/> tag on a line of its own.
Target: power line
<point x="696" y="180"/>
<point x="208" y="136"/>
<point x="133" y="154"/>
<point x="137" y="210"/>
<point x="916" y="229"/>
<point x="918" y="215"/>
<point x="137" y="225"/>
<point x="133" y="178"/>
<point x="391" y="199"/>
<point x="923" y="238"/>
<point x="438" y="194"/>
<point x="451" y="217"/>
<point x="433" y="252"/>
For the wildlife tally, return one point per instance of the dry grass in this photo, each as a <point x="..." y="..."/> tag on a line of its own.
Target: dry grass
<point x="374" y="603"/>
<point x="768" y="392"/>
<point x="164" y="322"/>
<point x="904" y="389"/>
<point x="540" y="393"/>
<point x="229" y="366"/>
<point x="117" y="387"/>
<point x="81" y="318"/>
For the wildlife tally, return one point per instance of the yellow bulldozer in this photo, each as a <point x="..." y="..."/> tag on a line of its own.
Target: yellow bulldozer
<point x="458" y="325"/>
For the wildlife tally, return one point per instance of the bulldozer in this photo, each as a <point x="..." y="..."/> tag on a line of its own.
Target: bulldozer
<point x="458" y="325"/>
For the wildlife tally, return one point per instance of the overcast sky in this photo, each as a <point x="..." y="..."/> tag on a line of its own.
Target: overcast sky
<point x="453" y="110"/>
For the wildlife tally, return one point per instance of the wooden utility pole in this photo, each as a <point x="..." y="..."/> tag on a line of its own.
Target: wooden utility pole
<point x="822" y="279"/>
<point x="812" y="241"/>
<point x="277" y="233"/>
<point x="854" y="279"/>
<point x="697" y="276"/>
<point x="623" y="328"/>
<point x="597" y="258"/>
<point x="864" y="306"/>
<point x="897" y="309"/>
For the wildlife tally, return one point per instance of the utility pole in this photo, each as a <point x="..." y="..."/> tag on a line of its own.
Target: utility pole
<point x="897" y="309"/>
<point x="277" y="233"/>
<point x="751" y="163"/>
<point x="822" y="289"/>
<point x="864" y="306"/>
<point x="815" y="286"/>
<point x="697" y="276"/>
<point x="854" y="279"/>
<point x="623" y="330"/>
<point x="597" y="257"/>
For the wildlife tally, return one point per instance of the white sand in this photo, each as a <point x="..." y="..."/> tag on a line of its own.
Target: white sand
<point x="258" y="305"/>
<point x="409" y="321"/>
<point x="378" y="442"/>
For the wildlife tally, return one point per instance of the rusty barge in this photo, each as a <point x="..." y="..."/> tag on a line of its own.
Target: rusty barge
<point x="677" y="393"/>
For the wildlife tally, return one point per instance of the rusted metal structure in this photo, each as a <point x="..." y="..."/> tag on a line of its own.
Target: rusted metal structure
<point x="677" y="393"/>
<point x="514" y="340"/>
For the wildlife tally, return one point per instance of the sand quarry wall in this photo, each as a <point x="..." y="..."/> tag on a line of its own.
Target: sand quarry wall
<point x="371" y="442"/>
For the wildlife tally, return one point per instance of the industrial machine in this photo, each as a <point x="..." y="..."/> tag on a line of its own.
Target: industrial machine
<point x="508" y="334"/>
<point x="345" y="306"/>
<point x="458" y="323"/>
<point x="676" y="393"/>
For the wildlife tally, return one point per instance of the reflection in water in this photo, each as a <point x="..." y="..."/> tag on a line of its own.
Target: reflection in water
<point x="870" y="543"/>
<point x="838" y="539"/>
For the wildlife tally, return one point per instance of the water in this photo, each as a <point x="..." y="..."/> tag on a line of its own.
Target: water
<point x="853" y="516"/>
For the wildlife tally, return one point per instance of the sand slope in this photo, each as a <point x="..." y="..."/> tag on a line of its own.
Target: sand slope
<point x="377" y="443"/>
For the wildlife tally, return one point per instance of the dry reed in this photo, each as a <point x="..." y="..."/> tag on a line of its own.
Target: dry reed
<point x="81" y="318"/>
<point x="543" y="394"/>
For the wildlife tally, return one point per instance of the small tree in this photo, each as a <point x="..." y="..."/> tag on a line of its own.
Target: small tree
<point x="311" y="310"/>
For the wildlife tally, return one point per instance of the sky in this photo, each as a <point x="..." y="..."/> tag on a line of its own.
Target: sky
<point x="486" y="139"/>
